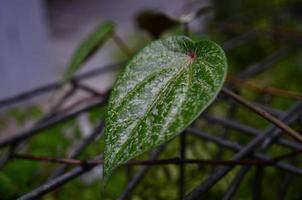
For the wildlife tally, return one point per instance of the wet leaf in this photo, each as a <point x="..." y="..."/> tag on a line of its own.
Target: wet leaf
<point x="88" y="47"/>
<point x="163" y="89"/>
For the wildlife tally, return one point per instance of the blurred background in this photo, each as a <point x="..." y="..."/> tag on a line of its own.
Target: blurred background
<point x="44" y="34"/>
<point x="38" y="39"/>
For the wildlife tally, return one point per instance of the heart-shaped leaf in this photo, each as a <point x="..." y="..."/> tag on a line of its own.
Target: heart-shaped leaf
<point x="162" y="90"/>
<point x="88" y="47"/>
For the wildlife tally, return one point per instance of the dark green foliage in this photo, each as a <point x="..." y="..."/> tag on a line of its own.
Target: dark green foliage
<point x="155" y="23"/>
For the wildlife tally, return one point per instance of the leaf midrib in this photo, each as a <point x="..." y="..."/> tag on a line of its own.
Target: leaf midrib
<point x="188" y="88"/>
<point x="161" y="92"/>
<point x="142" y="82"/>
<point x="137" y="86"/>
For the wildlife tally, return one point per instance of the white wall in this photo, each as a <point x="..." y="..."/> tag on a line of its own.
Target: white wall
<point x="24" y="46"/>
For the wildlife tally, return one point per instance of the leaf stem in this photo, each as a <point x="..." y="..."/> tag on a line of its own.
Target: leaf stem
<point x="186" y="29"/>
<point x="122" y="45"/>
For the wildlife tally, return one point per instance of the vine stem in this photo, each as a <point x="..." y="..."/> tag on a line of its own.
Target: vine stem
<point x="79" y="102"/>
<point x="291" y="34"/>
<point x="176" y="161"/>
<point x="263" y="114"/>
<point x="186" y="29"/>
<point x="265" y="90"/>
<point x="181" y="179"/>
<point x="121" y="44"/>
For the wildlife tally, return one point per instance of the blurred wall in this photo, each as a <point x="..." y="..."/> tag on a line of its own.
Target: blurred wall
<point x="38" y="37"/>
<point x="25" y="59"/>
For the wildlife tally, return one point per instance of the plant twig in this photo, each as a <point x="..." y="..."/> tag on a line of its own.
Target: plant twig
<point x="233" y="187"/>
<point x="98" y="131"/>
<point x="39" y="127"/>
<point x="263" y="114"/>
<point x="78" y="103"/>
<point x="91" y="90"/>
<point x="182" y="168"/>
<point x="57" y="85"/>
<point x="140" y="174"/>
<point x="244" y="152"/>
<point x="176" y="161"/>
<point x="288" y="155"/>
<point x="265" y="90"/>
<point x="288" y="33"/>
<point x="119" y="42"/>
<point x="186" y="29"/>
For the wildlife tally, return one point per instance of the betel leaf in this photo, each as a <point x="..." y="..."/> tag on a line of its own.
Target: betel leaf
<point x="88" y="47"/>
<point x="162" y="90"/>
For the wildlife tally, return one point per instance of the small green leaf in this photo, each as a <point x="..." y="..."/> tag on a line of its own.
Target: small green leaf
<point x="163" y="89"/>
<point x="88" y="47"/>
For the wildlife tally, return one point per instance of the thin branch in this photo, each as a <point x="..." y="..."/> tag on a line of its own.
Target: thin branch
<point x="140" y="174"/>
<point x="55" y="183"/>
<point x="265" y="63"/>
<point x="265" y="90"/>
<point x="72" y="106"/>
<point x="39" y="127"/>
<point x="288" y="155"/>
<point x="233" y="187"/>
<point x="237" y="147"/>
<point x="264" y="114"/>
<point x="98" y="131"/>
<point x="239" y="40"/>
<point x="182" y="172"/>
<point x="225" y="129"/>
<point x="186" y="29"/>
<point x="290" y="34"/>
<point x="258" y="182"/>
<point x="249" y="131"/>
<point x="176" y="161"/>
<point x="54" y="108"/>
<point x="57" y="85"/>
<point x="121" y="44"/>
<point x="91" y="90"/>
<point x="244" y="152"/>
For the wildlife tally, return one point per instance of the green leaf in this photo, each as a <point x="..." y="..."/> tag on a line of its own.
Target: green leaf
<point x="88" y="47"/>
<point x="163" y="89"/>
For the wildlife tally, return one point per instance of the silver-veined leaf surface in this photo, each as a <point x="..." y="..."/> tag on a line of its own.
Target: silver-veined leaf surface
<point x="88" y="47"/>
<point x="162" y="90"/>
